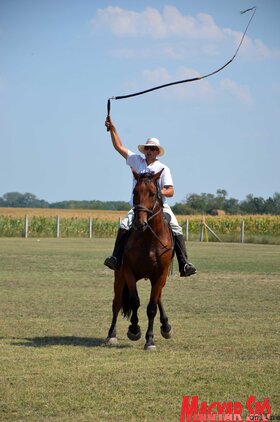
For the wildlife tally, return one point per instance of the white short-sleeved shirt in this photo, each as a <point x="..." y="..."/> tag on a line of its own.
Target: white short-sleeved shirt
<point x="139" y="164"/>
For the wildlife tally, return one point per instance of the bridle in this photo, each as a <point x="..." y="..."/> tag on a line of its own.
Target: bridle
<point x="158" y="201"/>
<point x="152" y="213"/>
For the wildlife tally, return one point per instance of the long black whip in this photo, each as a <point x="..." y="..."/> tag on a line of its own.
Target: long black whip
<point x="120" y="97"/>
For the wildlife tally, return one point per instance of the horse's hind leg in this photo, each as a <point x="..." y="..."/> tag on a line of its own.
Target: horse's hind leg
<point x="112" y="333"/>
<point x="165" y="329"/>
<point x="116" y="306"/>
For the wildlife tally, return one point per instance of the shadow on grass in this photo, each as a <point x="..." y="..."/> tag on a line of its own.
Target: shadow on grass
<point x="63" y="341"/>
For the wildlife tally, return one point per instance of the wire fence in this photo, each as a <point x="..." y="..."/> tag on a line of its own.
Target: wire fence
<point x="256" y="229"/>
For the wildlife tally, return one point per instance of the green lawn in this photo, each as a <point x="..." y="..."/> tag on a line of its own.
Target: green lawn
<point x="55" y="311"/>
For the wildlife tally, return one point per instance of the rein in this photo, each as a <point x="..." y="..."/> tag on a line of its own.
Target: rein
<point x="157" y="237"/>
<point x="152" y="215"/>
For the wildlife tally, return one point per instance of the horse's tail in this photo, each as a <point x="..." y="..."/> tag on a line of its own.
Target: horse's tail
<point x="126" y="303"/>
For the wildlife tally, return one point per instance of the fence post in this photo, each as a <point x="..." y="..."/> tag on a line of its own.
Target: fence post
<point x="90" y="227"/>
<point x="242" y="231"/>
<point x="201" y="231"/>
<point x="57" y="226"/>
<point x="187" y="230"/>
<point x="26" y="227"/>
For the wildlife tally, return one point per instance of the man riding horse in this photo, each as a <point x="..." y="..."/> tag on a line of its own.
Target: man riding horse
<point x="151" y="150"/>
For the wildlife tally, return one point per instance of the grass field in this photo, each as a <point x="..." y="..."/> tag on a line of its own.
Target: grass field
<point x="55" y="308"/>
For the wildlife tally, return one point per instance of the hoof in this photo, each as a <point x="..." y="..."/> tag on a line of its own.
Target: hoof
<point x="111" y="341"/>
<point x="166" y="334"/>
<point x="132" y="336"/>
<point x="150" y="347"/>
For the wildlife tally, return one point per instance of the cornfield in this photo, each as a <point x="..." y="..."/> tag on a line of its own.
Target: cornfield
<point x="85" y="223"/>
<point x="257" y="228"/>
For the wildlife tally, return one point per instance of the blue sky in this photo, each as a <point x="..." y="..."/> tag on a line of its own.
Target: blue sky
<point x="60" y="60"/>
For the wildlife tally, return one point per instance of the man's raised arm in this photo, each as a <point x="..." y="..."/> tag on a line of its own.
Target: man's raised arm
<point x="116" y="141"/>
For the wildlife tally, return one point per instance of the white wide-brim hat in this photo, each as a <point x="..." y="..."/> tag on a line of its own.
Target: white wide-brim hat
<point x="152" y="142"/>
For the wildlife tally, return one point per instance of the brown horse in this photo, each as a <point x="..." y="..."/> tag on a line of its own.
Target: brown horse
<point x="148" y="254"/>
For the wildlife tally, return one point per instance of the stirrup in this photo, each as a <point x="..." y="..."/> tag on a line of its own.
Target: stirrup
<point x="188" y="270"/>
<point x="112" y="263"/>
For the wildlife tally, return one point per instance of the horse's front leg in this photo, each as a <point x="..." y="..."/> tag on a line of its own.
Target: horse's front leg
<point x="165" y="329"/>
<point x="151" y="313"/>
<point x="157" y="286"/>
<point x="134" y="331"/>
<point x="116" y="306"/>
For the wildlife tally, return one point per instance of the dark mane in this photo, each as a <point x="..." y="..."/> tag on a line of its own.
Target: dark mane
<point x="146" y="175"/>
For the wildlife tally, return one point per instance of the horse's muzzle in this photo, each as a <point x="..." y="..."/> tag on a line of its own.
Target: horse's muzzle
<point x="141" y="226"/>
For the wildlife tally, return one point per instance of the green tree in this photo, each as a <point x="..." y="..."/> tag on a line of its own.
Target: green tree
<point x="253" y="205"/>
<point x="13" y="199"/>
<point x="232" y="206"/>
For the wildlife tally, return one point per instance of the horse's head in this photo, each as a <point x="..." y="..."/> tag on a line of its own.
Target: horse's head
<point x="146" y="198"/>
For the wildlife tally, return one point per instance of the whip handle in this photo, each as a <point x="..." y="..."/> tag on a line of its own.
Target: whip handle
<point x="108" y="111"/>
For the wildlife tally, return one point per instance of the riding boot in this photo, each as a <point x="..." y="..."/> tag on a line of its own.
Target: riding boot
<point x="186" y="268"/>
<point x="114" y="262"/>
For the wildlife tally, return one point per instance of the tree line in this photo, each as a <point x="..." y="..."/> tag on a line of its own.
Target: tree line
<point x="204" y="203"/>
<point x="207" y="203"/>
<point x="28" y="200"/>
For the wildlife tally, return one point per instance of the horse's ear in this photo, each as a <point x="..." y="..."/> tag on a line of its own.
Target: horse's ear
<point x="135" y="174"/>
<point x="157" y="175"/>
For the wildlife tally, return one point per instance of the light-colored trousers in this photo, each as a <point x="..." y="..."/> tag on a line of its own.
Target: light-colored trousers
<point x="126" y="223"/>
